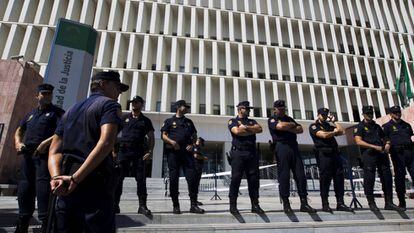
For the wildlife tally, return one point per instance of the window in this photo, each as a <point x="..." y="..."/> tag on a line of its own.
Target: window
<point x="296" y="114"/>
<point x="257" y="112"/>
<point x="298" y="79"/>
<point x="261" y="75"/>
<point x="202" y="109"/>
<point x="158" y="106"/>
<point x="249" y="74"/>
<point x="153" y="67"/>
<point x="310" y="79"/>
<point x="345" y="116"/>
<point x="139" y="65"/>
<point x="322" y="80"/>
<point x="181" y="69"/>
<point x="309" y="115"/>
<point x="216" y="109"/>
<point x="273" y="76"/>
<point x="209" y="71"/>
<point x="167" y="67"/>
<point x="235" y="73"/>
<point x="230" y="109"/>
<point x="285" y="78"/>
<point x="333" y="81"/>
<point x="195" y="70"/>
<point x="222" y="72"/>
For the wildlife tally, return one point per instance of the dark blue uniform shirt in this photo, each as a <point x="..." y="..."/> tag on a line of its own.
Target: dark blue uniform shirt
<point x="180" y="129"/>
<point x="242" y="140"/>
<point x="322" y="142"/>
<point x="39" y="125"/>
<point x="281" y="135"/>
<point x="399" y="133"/>
<point x="80" y="127"/>
<point x="370" y="133"/>
<point x="135" y="129"/>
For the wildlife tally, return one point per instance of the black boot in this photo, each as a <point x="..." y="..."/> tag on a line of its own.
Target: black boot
<point x="176" y="205"/>
<point x="233" y="206"/>
<point x="325" y="205"/>
<point x="22" y="225"/>
<point x="340" y="205"/>
<point x="389" y="205"/>
<point x="286" y="206"/>
<point x="199" y="203"/>
<point x="371" y="203"/>
<point x="143" y="209"/>
<point x="305" y="207"/>
<point x="402" y="204"/>
<point x="256" y="207"/>
<point x="194" y="207"/>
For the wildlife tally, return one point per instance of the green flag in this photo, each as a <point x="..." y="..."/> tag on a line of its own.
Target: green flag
<point x="403" y="86"/>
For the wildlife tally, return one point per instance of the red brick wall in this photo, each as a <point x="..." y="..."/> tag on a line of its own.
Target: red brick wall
<point x="18" y="83"/>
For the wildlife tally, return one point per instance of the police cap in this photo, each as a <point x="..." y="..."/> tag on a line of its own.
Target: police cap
<point x="245" y="104"/>
<point x="368" y="109"/>
<point x="180" y="103"/>
<point x="136" y="99"/>
<point x="323" y="111"/>
<point x="279" y="104"/>
<point x="110" y="76"/>
<point x="395" y="109"/>
<point x="45" y="88"/>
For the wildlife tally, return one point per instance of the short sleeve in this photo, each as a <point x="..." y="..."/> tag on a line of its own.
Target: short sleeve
<point x="149" y="126"/>
<point x="61" y="126"/>
<point x="166" y="126"/>
<point x="313" y="129"/>
<point x="232" y="123"/>
<point x="293" y="120"/>
<point x="111" y="113"/>
<point x="358" y="131"/>
<point x="386" y="130"/>
<point x="23" y="123"/>
<point x="272" y="122"/>
<point x="253" y="122"/>
<point x="410" y="130"/>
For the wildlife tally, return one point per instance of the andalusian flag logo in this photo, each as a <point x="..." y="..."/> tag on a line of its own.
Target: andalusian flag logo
<point x="403" y="86"/>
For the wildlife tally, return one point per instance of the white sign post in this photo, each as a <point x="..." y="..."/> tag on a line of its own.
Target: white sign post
<point x="70" y="62"/>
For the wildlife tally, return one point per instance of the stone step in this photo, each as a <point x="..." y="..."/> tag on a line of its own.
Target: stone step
<point x="132" y="219"/>
<point x="355" y="226"/>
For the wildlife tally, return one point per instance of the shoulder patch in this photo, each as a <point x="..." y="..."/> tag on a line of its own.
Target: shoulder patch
<point x="230" y="122"/>
<point x="48" y="114"/>
<point x="127" y="120"/>
<point x="272" y="120"/>
<point x="30" y="117"/>
<point x="313" y="127"/>
<point x="356" y="130"/>
<point x="251" y="122"/>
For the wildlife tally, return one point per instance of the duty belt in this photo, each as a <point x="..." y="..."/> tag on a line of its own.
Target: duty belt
<point x="326" y="149"/>
<point x="244" y="148"/>
<point x="404" y="147"/>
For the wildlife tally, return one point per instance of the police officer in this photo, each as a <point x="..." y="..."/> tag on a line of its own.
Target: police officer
<point x="132" y="152"/>
<point x="244" y="159"/>
<point x="179" y="134"/>
<point x="370" y="137"/>
<point x="32" y="140"/>
<point x="199" y="159"/>
<point x="283" y="130"/>
<point x="323" y="133"/>
<point x="82" y="146"/>
<point x="398" y="134"/>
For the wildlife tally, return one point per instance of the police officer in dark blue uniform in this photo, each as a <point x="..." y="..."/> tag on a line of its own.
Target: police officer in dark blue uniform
<point x="133" y="153"/>
<point x="82" y="146"/>
<point x="323" y="133"/>
<point x="283" y="130"/>
<point x="179" y="134"/>
<point x="244" y="159"/>
<point x="32" y="140"/>
<point x="370" y="137"/>
<point x="398" y="134"/>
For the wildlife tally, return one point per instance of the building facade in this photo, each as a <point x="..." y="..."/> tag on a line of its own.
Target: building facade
<point x="340" y="54"/>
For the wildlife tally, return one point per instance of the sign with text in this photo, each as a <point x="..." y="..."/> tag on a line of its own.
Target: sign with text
<point x="70" y="62"/>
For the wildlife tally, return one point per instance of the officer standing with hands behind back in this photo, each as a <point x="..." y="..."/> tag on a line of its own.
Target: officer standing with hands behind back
<point x="328" y="158"/>
<point x="32" y="140"/>
<point x="132" y="154"/>
<point x="244" y="159"/>
<point x="80" y="159"/>
<point x="370" y="137"/>
<point x="284" y="130"/>
<point x="398" y="134"/>
<point x="179" y="134"/>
